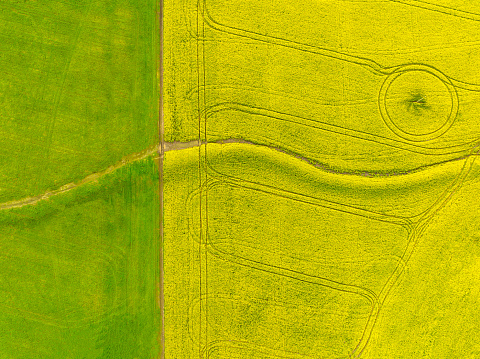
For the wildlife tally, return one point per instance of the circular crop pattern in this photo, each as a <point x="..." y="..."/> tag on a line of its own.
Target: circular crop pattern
<point x="418" y="102"/>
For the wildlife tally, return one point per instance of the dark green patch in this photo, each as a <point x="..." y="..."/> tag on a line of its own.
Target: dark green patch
<point x="417" y="103"/>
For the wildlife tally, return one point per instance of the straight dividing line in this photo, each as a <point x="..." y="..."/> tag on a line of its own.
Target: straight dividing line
<point x="201" y="174"/>
<point x="204" y="84"/>
<point x="161" y="150"/>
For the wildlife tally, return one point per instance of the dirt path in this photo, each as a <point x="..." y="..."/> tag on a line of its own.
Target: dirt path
<point x="177" y="146"/>
<point x="90" y="178"/>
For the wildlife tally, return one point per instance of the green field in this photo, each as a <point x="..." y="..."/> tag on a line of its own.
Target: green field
<point x="80" y="271"/>
<point x="78" y="89"/>
<point x="320" y="179"/>
<point x="79" y="179"/>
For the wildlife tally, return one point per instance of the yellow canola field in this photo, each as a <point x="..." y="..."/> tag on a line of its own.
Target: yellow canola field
<point x="329" y="210"/>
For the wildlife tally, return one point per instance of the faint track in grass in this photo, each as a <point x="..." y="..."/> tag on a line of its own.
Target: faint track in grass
<point x="89" y="179"/>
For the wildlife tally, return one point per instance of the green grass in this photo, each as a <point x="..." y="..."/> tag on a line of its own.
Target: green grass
<point x="77" y="90"/>
<point x="80" y="271"/>
<point x="79" y="218"/>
